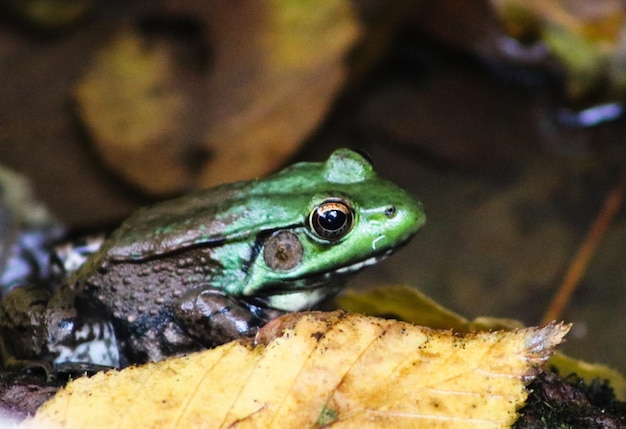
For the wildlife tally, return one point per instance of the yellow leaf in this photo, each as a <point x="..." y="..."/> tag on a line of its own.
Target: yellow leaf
<point x="404" y="303"/>
<point x="313" y="369"/>
<point x="410" y="305"/>
<point x="584" y="37"/>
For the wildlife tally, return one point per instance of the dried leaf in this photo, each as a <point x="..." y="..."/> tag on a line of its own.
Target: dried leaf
<point x="585" y="37"/>
<point x="269" y="94"/>
<point x="134" y="112"/>
<point x="275" y="67"/>
<point x="410" y="305"/>
<point x="313" y="369"/>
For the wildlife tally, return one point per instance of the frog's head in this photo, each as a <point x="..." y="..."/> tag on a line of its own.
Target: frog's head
<point x="347" y="218"/>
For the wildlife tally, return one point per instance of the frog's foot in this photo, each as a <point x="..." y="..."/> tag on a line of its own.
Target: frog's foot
<point x="80" y="368"/>
<point x="13" y="364"/>
<point x="214" y="318"/>
<point x="16" y="365"/>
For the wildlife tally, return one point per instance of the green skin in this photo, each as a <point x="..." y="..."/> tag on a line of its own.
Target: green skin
<point x="217" y="264"/>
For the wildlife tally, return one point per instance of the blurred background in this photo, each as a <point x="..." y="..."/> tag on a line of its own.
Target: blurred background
<point x="504" y="117"/>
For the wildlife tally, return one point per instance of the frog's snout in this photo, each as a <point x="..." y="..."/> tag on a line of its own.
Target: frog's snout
<point x="397" y="223"/>
<point x="413" y="216"/>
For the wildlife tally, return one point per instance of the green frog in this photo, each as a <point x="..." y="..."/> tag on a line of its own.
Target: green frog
<point x="212" y="266"/>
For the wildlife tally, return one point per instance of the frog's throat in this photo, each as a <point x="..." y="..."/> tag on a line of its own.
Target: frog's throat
<point x="301" y="300"/>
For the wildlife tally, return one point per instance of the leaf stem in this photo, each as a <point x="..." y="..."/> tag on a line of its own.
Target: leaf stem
<point x="579" y="265"/>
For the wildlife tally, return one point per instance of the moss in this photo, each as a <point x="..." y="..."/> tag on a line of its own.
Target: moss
<point x="569" y="402"/>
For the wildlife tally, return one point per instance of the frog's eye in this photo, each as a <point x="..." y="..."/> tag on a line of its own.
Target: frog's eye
<point x="332" y="219"/>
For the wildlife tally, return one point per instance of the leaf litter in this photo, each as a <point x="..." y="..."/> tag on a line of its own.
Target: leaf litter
<point x="314" y="369"/>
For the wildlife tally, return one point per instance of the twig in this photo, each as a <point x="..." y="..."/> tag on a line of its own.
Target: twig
<point x="585" y="252"/>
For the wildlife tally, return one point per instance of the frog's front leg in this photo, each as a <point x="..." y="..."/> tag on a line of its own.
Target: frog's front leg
<point x="79" y="334"/>
<point x="213" y="318"/>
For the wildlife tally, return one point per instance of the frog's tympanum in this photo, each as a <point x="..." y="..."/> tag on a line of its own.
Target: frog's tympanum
<point x="212" y="266"/>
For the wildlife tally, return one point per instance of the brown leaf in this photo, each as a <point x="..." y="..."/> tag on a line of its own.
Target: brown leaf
<point x="311" y="369"/>
<point x="584" y="37"/>
<point x="274" y="70"/>
<point x="134" y="112"/>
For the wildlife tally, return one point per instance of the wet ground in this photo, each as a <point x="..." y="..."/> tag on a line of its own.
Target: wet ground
<point x="510" y="193"/>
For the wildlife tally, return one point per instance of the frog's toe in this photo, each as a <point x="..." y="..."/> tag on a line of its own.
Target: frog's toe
<point x="80" y="368"/>
<point x="16" y="365"/>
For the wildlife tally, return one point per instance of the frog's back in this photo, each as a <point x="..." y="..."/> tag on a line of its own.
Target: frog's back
<point x="210" y="216"/>
<point x="170" y="225"/>
<point x="240" y="210"/>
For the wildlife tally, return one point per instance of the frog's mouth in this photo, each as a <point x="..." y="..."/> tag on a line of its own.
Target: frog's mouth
<point x="316" y="280"/>
<point x="306" y="292"/>
<point x="355" y="267"/>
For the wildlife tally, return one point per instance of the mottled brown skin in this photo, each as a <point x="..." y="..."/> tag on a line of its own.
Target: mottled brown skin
<point x="168" y="308"/>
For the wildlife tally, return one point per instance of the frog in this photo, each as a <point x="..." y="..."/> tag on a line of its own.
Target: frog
<point x="212" y="266"/>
